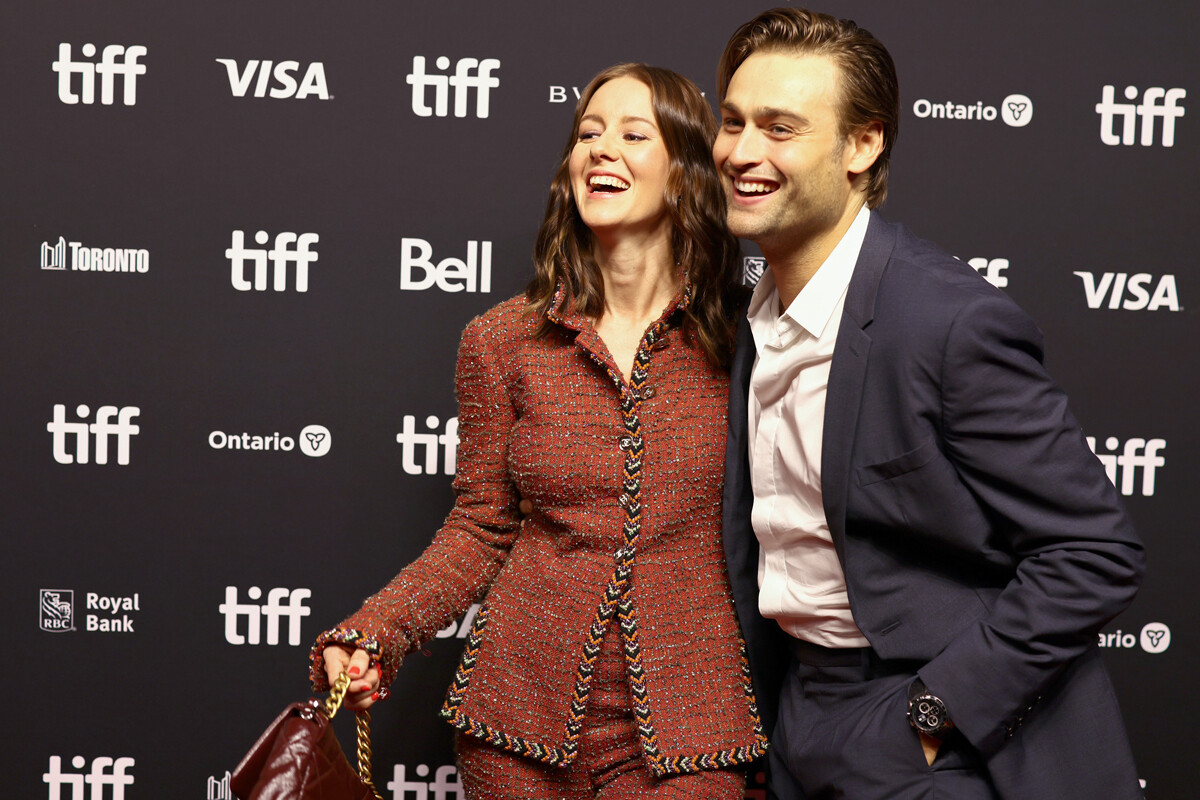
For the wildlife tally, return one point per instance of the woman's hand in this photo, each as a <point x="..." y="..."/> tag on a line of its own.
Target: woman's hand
<point x="364" y="679"/>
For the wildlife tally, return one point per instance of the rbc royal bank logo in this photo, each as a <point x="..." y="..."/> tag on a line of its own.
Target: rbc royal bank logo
<point x="1148" y="110"/>
<point x="290" y="248"/>
<point x="470" y="74"/>
<point x="753" y="268"/>
<point x="115" y="61"/>
<point x="93" y="259"/>
<point x="105" y="771"/>
<point x="418" y="270"/>
<point x="1016" y="110"/>
<point x="122" y="429"/>
<point x="281" y="80"/>
<point x="56" y="610"/>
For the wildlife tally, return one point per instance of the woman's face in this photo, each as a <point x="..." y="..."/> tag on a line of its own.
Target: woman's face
<point x="619" y="166"/>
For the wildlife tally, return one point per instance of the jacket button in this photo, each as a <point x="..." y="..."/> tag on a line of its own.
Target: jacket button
<point x="624" y="500"/>
<point x="648" y="392"/>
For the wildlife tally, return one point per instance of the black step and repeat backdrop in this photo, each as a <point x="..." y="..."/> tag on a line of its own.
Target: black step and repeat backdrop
<point x="239" y="242"/>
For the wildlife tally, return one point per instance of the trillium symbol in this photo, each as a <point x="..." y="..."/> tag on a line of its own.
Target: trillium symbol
<point x="1155" y="636"/>
<point x="1017" y="109"/>
<point x="315" y="439"/>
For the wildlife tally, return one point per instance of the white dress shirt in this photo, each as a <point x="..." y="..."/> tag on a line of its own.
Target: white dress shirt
<point x="800" y="579"/>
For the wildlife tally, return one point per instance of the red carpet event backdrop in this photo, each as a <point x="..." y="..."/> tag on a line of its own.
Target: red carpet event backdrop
<point x="240" y="241"/>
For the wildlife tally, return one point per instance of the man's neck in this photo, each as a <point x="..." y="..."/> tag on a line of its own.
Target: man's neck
<point x="795" y="263"/>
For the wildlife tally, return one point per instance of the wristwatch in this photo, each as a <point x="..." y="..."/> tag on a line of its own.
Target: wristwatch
<point x="926" y="711"/>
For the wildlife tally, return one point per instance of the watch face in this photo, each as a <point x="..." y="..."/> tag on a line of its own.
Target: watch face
<point x="928" y="713"/>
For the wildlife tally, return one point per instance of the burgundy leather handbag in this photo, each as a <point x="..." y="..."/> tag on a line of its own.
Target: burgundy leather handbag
<point x="298" y="756"/>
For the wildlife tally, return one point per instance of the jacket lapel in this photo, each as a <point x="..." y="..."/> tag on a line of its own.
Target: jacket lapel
<point x="847" y="372"/>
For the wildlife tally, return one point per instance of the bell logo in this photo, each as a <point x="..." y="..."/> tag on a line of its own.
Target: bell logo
<point x="1130" y="292"/>
<point x="108" y="68"/>
<point x="97" y="778"/>
<point x="1155" y="638"/>
<point x="1148" y="110"/>
<point x="463" y="81"/>
<point x="418" y="272"/>
<point x="285" y="85"/>
<point x="289" y="248"/>
<point x="280" y="603"/>
<point x="104" y="427"/>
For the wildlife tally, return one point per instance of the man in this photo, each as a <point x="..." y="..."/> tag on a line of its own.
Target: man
<point x="922" y="546"/>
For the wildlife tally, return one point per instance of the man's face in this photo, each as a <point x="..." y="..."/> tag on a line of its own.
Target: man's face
<point x="783" y="162"/>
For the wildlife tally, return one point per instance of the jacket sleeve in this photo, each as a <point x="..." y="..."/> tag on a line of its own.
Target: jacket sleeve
<point x="1021" y="453"/>
<point x="473" y="544"/>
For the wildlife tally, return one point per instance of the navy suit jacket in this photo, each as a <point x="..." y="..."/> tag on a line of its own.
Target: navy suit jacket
<point x="978" y="533"/>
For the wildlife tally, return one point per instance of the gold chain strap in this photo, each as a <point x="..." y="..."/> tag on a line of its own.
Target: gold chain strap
<point x="362" y="722"/>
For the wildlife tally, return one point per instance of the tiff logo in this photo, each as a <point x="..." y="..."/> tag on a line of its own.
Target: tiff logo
<point x="128" y="68"/>
<point x="410" y="441"/>
<point x="104" y="427"/>
<point x="990" y="269"/>
<point x="218" y="788"/>
<point x="98" y="777"/>
<point x="274" y="609"/>
<point x="463" y="81"/>
<point x="1129" y="291"/>
<point x="1143" y="453"/>
<point x="445" y="784"/>
<point x="289" y="248"/>
<point x="313" y="82"/>
<point x="450" y="274"/>
<point x="1148" y="109"/>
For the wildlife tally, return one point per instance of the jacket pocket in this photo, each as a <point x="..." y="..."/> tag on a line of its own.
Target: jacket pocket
<point x="900" y="465"/>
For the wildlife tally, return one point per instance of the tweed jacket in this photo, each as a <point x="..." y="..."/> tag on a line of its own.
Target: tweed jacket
<point x="626" y="481"/>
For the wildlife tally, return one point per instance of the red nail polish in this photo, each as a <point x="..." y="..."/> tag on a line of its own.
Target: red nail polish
<point x="352" y="672"/>
<point x="374" y="695"/>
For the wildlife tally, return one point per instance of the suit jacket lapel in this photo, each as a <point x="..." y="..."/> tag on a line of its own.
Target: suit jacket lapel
<point x="847" y="372"/>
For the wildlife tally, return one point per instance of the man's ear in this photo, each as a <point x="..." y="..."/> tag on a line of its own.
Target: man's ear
<point x="863" y="146"/>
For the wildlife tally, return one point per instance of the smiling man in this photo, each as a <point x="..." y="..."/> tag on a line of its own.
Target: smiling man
<point x="921" y="544"/>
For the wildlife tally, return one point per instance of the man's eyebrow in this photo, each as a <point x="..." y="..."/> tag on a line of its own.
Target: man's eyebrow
<point x="766" y="112"/>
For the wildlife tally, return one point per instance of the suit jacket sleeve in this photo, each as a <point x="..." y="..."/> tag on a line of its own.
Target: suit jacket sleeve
<point x="1016" y="447"/>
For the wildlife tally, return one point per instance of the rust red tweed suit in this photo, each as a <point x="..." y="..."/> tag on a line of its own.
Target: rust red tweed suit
<point x="626" y="479"/>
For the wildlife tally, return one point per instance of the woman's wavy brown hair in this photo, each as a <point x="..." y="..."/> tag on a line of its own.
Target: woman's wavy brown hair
<point x="700" y="242"/>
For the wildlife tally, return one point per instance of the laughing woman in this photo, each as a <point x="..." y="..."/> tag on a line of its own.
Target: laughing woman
<point x="606" y="660"/>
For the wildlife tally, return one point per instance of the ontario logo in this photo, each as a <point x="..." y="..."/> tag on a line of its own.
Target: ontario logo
<point x="56" y="610"/>
<point x="1016" y="110"/>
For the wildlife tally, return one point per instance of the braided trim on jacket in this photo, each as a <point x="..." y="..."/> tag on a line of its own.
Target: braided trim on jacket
<point x="350" y="638"/>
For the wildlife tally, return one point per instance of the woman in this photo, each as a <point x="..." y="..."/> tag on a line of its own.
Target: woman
<point x="606" y="660"/>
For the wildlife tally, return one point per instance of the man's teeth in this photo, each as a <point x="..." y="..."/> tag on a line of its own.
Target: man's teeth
<point x="750" y="187"/>
<point x="607" y="180"/>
